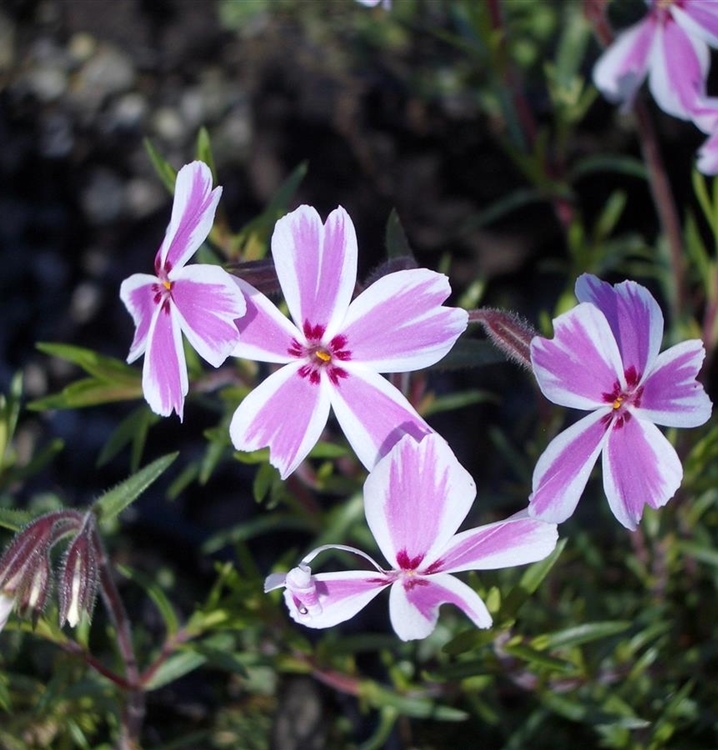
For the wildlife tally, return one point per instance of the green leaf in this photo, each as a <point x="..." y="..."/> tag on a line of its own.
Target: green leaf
<point x="469" y="352"/>
<point x="538" y="658"/>
<point x="416" y="707"/>
<point x="265" y="477"/>
<point x="117" y="499"/>
<point x="9" y="413"/>
<point x="14" y="519"/>
<point x="90" y="361"/>
<point x="459" y="401"/>
<point x="577" y="636"/>
<point x="88" y="392"/>
<point x="397" y="245"/>
<point x="132" y="429"/>
<point x="204" y="151"/>
<point x="256" y="527"/>
<point x="112" y="380"/>
<point x="530" y="581"/>
<point x="176" y="666"/>
<point x="166" y="172"/>
<point x="158" y="596"/>
<point x="625" y="165"/>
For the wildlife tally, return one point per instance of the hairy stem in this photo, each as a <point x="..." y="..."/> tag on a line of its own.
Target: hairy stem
<point x="133" y="713"/>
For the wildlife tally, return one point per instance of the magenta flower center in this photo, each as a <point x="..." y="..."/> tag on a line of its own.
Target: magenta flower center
<point x="319" y="355"/>
<point x="162" y="290"/>
<point x="622" y="398"/>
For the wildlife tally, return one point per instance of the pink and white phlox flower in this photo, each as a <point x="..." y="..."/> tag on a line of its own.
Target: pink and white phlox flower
<point x="201" y="301"/>
<point x="336" y="348"/>
<point x="415" y="499"/>
<point x="604" y="357"/>
<point x="670" y="45"/>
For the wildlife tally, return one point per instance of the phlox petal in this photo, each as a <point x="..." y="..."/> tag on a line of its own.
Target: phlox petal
<point x="208" y="302"/>
<point x="316" y="265"/>
<point x="192" y="217"/>
<point x="164" y="372"/>
<point x="679" y="66"/>
<point x="341" y="595"/>
<point x="562" y="471"/>
<point x="414" y="604"/>
<point x="415" y="498"/>
<point x="640" y="467"/>
<point x="373" y="414"/>
<point x="699" y="18"/>
<point x="265" y="334"/>
<point x="499" y="545"/>
<point x="581" y="363"/>
<point x="632" y="313"/>
<point x="398" y="323"/>
<point x="138" y="294"/>
<point x="287" y="413"/>
<point x="620" y="70"/>
<point x="671" y="394"/>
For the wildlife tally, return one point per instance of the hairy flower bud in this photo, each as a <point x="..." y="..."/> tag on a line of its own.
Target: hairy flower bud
<point x="25" y="572"/>
<point x="508" y="331"/>
<point x="79" y="578"/>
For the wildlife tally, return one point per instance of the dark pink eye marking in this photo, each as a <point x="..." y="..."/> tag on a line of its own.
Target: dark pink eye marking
<point x="320" y="357"/>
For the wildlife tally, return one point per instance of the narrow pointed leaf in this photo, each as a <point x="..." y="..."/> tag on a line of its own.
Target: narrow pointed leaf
<point x="117" y="499"/>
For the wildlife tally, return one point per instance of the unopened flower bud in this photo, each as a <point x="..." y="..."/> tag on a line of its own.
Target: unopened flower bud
<point x="79" y="578"/>
<point x="508" y="331"/>
<point x="25" y="572"/>
<point x="35" y="589"/>
<point x="302" y="588"/>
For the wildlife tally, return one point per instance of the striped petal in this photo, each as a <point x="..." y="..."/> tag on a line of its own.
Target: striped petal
<point x="415" y="498"/>
<point x="193" y="212"/>
<point x="671" y="394"/>
<point x="581" y="363"/>
<point x="373" y="414"/>
<point x="398" y="324"/>
<point x="563" y="469"/>
<point x="265" y="334"/>
<point x="164" y="373"/>
<point x="414" y="604"/>
<point x="621" y="69"/>
<point x="634" y="316"/>
<point x="516" y="541"/>
<point x="208" y="302"/>
<point x="640" y="467"/>
<point x="286" y="413"/>
<point x="316" y="266"/>
<point x="138" y="293"/>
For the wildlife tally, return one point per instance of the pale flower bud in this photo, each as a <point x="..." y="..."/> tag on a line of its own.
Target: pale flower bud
<point x="79" y="579"/>
<point x="302" y="588"/>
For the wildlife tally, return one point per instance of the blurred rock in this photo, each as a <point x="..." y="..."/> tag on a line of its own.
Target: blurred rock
<point x="144" y="197"/>
<point x="103" y="199"/>
<point x="168" y="125"/>
<point x="107" y="72"/>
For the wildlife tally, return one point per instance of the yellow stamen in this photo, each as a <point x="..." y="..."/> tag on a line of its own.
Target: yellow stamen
<point x="324" y="356"/>
<point x="167" y="284"/>
<point x="617" y="403"/>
